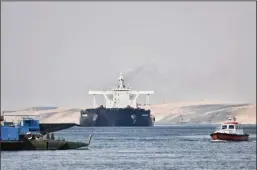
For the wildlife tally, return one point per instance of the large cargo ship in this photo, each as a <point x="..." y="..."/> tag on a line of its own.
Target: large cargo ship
<point x="121" y="108"/>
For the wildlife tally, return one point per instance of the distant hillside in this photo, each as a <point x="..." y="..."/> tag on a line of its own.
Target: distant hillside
<point x="49" y="114"/>
<point x="32" y="109"/>
<point x="176" y="113"/>
<point x="171" y="113"/>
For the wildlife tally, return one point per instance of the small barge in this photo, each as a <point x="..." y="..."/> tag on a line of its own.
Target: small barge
<point x="26" y="136"/>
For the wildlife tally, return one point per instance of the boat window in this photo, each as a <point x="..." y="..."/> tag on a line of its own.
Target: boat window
<point x="224" y="127"/>
<point x="231" y="126"/>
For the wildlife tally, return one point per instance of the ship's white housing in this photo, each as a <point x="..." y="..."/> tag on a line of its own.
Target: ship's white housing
<point x="121" y="96"/>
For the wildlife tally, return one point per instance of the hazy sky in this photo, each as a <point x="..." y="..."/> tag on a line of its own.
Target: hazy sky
<point x="52" y="53"/>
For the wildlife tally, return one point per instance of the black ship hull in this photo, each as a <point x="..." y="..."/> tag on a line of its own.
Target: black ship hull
<point x="116" y="117"/>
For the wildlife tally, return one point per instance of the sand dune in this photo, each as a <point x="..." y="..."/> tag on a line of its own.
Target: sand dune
<point x="170" y="113"/>
<point x="58" y="115"/>
<point x="203" y="112"/>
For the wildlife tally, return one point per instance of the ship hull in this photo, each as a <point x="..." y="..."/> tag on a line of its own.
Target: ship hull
<point x="116" y="117"/>
<point x="229" y="137"/>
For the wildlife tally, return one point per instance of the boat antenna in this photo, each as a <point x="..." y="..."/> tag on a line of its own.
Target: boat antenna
<point x="234" y="118"/>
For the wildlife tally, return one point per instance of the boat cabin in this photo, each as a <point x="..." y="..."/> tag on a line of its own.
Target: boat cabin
<point x="231" y="127"/>
<point x="10" y="131"/>
<point x="29" y="125"/>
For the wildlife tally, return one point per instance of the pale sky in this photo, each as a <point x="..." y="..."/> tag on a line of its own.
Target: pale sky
<point x="52" y="53"/>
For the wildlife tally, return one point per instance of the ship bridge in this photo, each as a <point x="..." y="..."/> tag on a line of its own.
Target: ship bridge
<point x="121" y="96"/>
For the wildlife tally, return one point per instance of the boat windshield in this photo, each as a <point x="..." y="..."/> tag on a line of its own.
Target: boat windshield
<point x="224" y="127"/>
<point x="231" y="126"/>
<point x="228" y="127"/>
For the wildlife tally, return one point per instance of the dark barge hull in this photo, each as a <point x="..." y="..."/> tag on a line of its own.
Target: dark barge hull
<point x="11" y="145"/>
<point x="26" y="144"/>
<point x="116" y="117"/>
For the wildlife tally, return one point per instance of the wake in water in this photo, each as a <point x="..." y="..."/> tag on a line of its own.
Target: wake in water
<point x="232" y="141"/>
<point x="218" y="140"/>
<point x="82" y="149"/>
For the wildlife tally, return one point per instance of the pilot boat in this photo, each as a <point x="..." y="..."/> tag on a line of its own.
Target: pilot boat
<point x="230" y="131"/>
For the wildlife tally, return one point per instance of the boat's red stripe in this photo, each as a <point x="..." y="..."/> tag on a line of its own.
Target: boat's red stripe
<point x="220" y="136"/>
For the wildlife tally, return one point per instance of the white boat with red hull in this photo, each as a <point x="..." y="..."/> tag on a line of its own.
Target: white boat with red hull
<point x="230" y="131"/>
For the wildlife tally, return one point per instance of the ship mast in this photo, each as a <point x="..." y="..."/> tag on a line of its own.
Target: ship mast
<point x="121" y="81"/>
<point x="121" y="96"/>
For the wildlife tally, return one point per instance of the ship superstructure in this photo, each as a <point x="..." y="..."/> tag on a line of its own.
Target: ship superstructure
<point x="121" y="96"/>
<point x="121" y="100"/>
